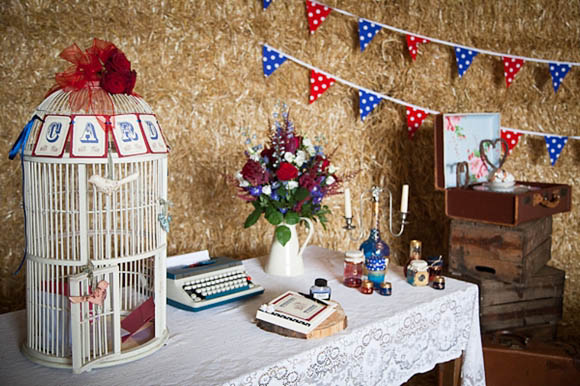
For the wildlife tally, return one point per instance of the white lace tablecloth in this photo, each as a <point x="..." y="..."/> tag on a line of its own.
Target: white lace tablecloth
<point x="388" y="339"/>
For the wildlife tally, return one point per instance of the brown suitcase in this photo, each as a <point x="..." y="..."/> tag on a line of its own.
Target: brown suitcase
<point x="532" y="200"/>
<point x="509" y="254"/>
<point x="515" y="360"/>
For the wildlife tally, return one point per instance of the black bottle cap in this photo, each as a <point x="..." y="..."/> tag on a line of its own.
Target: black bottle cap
<point x="320" y="282"/>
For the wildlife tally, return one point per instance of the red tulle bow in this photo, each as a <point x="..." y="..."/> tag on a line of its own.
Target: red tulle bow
<point x="96" y="72"/>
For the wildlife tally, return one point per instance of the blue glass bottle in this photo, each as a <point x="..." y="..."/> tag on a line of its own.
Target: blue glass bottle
<point x="376" y="251"/>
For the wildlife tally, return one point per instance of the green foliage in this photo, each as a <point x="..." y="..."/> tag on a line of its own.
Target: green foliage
<point x="283" y="234"/>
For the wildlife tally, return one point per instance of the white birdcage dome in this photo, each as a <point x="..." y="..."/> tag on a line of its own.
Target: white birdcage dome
<point x="95" y="203"/>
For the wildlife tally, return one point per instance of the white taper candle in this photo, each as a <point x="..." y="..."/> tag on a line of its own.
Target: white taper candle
<point x="347" y="207"/>
<point x="405" y="199"/>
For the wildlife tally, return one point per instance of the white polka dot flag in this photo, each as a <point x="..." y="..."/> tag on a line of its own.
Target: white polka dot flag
<point x="271" y="60"/>
<point x="464" y="59"/>
<point x="558" y="72"/>
<point x="511" y="67"/>
<point x="266" y="3"/>
<point x="317" y="14"/>
<point x="555" y="145"/>
<point x="367" y="102"/>
<point x="414" y="119"/>
<point x="511" y="137"/>
<point x="412" y="43"/>
<point x="366" y="32"/>
<point x="319" y="83"/>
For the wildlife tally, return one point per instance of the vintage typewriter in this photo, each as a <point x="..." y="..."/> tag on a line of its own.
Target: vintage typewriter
<point x="209" y="283"/>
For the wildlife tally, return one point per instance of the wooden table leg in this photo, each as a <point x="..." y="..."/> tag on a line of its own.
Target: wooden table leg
<point x="450" y="372"/>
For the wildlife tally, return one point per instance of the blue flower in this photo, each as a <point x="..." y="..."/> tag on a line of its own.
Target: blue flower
<point x="283" y="210"/>
<point x="274" y="195"/>
<point x="256" y="191"/>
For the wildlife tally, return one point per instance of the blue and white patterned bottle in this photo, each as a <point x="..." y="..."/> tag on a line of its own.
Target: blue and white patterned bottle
<point x="375" y="250"/>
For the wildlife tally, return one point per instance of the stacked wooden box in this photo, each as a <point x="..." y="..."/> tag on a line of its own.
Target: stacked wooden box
<point x="518" y="291"/>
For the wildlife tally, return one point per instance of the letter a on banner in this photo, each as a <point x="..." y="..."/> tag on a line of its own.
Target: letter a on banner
<point x="89" y="139"/>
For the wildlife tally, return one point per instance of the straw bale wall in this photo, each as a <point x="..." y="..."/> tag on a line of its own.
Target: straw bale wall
<point x="199" y="66"/>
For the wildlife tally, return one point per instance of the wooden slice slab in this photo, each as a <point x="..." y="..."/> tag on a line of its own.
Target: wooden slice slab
<point x="335" y="323"/>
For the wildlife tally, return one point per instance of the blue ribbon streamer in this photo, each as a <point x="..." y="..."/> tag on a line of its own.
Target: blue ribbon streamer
<point x="19" y="146"/>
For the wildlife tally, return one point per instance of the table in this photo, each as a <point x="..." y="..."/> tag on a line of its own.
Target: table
<point x="387" y="341"/>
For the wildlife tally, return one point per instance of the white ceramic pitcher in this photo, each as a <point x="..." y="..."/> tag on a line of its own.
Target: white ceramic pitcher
<point x="286" y="260"/>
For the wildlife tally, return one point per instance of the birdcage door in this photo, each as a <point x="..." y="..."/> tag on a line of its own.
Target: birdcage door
<point x="95" y="317"/>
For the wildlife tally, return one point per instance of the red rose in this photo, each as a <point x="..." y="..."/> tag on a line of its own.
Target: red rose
<point x="287" y="172"/>
<point x="254" y="173"/>
<point x="117" y="62"/>
<point x="119" y="82"/>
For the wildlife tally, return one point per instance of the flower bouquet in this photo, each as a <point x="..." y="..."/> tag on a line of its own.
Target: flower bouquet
<point x="287" y="179"/>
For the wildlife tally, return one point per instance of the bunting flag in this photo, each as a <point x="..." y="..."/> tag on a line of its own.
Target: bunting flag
<point x="558" y="72"/>
<point x="317" y="14"/>
<point x="511" y="67"/>
<point x="366" y="32"/>
<point x="464" y="59"/>
<point x="271" y="60"/>
<point x="511" y="137"/>
<point x="414" y="119"/>
<point x="555" y="145"/>
<point x="367" y="102"/>
<point x="266" y="3"/>
<point x="319" y="83"/>
<point x="412" y="43"/>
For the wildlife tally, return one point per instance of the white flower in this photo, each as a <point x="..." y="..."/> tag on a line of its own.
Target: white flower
<point x="332" y="169"/>
<point x="307" y="142"/>
<point x="289" y="157"/>
<point x="239" y="176"/>
<point x="300" y="158"/>
<point x="255" y="157"/>
<point x="267" y="190"/>
<point x="330" y="180"/>
<point x="244" y="183"/>
<point x="292" y="184"/>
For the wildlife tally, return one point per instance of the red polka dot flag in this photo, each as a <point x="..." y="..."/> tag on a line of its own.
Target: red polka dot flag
<point x="511" y="67"/>
<point x="414" y="119"/>
<point x="511" y="137"/>
<point x="412" y="43"/>
<point x="316" y="14"/>
<point x="319" y="83"/>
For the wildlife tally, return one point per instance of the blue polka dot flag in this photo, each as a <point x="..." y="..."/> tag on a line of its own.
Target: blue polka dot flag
<point x="558" y="71"/>
<point x="367" y="102"/>
<point x="266" y="3"/>
<point x="366" y="32"/>
<point x="464" y="58"/>
<point x="271" y="60"/>
<point x="555" y="145"/>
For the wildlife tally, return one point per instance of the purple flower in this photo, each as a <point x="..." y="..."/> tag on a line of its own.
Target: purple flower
<point x="283" y="210"/>
<point x="274" y="196"/>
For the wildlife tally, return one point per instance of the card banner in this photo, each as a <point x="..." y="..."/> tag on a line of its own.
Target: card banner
<point x="153" y="134"/>
<point x="128" y="135"/>
<point x="52" y="136"/>
<point x="89" y="137"/>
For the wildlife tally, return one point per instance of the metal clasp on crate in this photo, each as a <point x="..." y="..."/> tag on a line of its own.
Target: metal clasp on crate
<point x="545" y="201"/>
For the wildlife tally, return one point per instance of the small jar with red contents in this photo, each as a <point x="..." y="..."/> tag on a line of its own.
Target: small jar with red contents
<point x="353" y="268"/>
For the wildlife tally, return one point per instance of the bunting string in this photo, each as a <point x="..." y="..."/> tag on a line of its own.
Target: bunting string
<point x="321" y="81"/>
<point x="443" y="42"/>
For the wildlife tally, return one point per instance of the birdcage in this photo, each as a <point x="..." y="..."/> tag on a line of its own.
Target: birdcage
<point x="95" y="208"/>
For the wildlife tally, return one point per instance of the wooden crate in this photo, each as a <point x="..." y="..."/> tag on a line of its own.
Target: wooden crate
<point x="510" y="254"/>
<point x="516" y="307"/>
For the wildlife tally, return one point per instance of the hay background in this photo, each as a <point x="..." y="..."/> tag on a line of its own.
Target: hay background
<point x="199" y="66"/>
